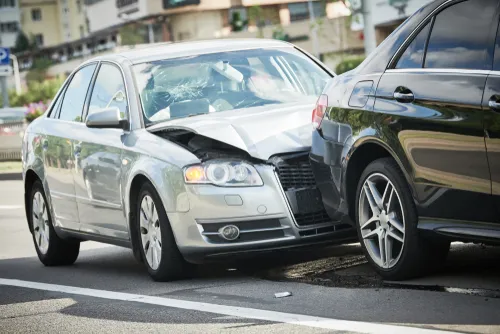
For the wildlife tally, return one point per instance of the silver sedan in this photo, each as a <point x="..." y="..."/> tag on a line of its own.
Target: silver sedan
<point x="184" y="153"/>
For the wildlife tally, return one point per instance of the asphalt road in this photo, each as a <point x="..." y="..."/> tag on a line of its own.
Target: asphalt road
<point x="108" y="291"/>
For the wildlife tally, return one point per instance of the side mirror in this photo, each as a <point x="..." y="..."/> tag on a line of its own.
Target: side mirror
<point x="107" y="118"/>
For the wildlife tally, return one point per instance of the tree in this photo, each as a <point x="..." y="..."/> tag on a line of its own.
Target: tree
<point x="22" y="43"/>
<point x="237" y="24"/>
<point x="38" y="71"/>
<point x="256" y="16"/>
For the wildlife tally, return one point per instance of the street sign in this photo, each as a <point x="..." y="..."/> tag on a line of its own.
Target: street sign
<point x="4" y="56"/>
<point x="5" y="70"/>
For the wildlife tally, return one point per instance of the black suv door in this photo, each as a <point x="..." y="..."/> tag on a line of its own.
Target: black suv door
<point x="491" y="106"/>
<point x="436" y="86"/>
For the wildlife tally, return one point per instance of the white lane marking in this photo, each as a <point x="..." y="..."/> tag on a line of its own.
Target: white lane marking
<point x="235" y="311"/>
<point x="11" y="207"/>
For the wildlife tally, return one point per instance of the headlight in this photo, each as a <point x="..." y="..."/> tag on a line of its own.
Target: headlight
<point x="223" y="173"/>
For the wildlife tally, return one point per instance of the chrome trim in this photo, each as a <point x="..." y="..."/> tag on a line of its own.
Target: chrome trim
<point x="269" y="229"/>
<point x="440" y="70"/>
<point x="495" y="73"/>
<point x="416" y="31"/>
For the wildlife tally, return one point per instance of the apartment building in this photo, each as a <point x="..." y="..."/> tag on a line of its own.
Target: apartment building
<point x="53" y="22"/>
<point x="9" y="22"/>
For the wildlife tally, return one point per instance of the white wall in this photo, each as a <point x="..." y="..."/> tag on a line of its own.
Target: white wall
<point x="383" y="12"/>
<point x="9" y="14"/>
<point x="197" y="25"/>
<point x="104" y="14"/>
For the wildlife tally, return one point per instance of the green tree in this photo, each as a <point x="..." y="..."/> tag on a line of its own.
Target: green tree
<point x="132" y="34"/>
<point x="256" y="16"/>
<point x="22" y="43"/>
<point x="237" y="24"/>
<point x="38" y="71"/>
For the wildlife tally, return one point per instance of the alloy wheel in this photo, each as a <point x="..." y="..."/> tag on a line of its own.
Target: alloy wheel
<point x="381" y="219"/>
<point x="40" y="223"/>
<point x="150" y="232"/>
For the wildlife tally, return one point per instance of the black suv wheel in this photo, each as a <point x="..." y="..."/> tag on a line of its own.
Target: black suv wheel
<point x="387" y="224"/>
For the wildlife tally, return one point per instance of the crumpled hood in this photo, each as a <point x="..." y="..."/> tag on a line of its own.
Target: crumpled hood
<point x="260" y="131"/>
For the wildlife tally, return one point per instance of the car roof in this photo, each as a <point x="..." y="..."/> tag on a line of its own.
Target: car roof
<point x="185" y="49"/>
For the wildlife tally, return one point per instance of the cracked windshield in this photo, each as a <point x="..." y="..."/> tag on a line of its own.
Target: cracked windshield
<point x="202" y="84"/>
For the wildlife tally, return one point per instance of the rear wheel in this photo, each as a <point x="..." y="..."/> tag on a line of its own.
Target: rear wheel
<point x="158" y="247"/>
<point x="51" y="250"/>
<point x="387" y="224"/>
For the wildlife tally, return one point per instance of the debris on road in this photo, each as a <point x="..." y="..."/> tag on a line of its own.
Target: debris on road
<point x="282" y="294"/>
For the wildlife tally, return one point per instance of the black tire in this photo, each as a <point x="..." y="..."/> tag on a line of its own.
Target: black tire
<point x="172" y="265"/>
<point x="419" y="255"/>
<point x="60" y="252"/>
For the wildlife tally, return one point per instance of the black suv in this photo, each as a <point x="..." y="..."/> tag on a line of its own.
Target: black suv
<point x="407" y="146"/>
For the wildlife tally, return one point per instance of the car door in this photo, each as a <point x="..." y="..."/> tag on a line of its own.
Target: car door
<point x="97" y="181"/>
<point x="58" y="146"/>
<point x="435" y="93"/>
<point x="491" y="106"/>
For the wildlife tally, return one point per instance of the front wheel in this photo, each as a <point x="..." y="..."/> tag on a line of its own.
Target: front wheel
<point x="158" y="247"/>
<point x="51" y="250"/>
<point x="387" y="224"/>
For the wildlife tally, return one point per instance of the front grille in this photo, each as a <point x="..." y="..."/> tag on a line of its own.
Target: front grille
<point x="313" y="218"/>
<point x="254" y="230"/>
<point x="295" y="174"/>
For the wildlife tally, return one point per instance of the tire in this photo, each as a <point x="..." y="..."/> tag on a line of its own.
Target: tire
<point x="51" y="249"/>
<point x="170" y="265"/>
<point x="385" y="226"/>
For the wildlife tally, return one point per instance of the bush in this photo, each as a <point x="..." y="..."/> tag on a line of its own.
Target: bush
<point x="37" y="92"/>
<point x="348" y="64"/>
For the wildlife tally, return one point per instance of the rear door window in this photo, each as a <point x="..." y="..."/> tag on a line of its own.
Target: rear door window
<point x="413" y="56"/>
<point x="462" y="36"/>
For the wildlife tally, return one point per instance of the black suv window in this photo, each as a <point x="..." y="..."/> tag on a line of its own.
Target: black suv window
<point x="74" y="97"/>
<point x="413" y="56"/>
<point x="460" y="37"/>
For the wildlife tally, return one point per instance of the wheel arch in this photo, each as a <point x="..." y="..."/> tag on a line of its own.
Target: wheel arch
<point x="30" y="177"/>
<point x="361" y="154"/>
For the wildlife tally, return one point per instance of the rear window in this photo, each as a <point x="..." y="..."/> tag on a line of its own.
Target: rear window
<point x="189" y="86"/>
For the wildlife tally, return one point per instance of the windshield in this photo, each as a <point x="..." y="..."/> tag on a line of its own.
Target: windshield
<point x="184" y="87"/>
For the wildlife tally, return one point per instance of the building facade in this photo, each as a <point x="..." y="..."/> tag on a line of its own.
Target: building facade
<point x="53" y="22"/>
<point x="9" y="22"/>
<point x="389" y="14"/>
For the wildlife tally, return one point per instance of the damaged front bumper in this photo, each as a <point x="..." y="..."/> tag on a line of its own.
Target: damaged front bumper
<point x="285" y="212"/>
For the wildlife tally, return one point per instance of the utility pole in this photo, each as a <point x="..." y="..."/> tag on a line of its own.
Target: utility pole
<point x="3" y="79"/>
<point x="370" y="40"/>
<point x="314" y="30"/>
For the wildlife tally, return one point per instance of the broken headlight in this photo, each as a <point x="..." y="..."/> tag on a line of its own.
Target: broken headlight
<point x="224" y="174"/>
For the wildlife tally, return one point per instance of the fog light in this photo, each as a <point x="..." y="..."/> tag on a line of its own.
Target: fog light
<point x="229" y="232"/>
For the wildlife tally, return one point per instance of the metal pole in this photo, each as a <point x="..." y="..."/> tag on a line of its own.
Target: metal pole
<point x="151" y="33"/>
<point x="314" y="33"/>
<point x="5" y="93"/>
<point x="17" y="77"/>
<point x="369" y="29"/>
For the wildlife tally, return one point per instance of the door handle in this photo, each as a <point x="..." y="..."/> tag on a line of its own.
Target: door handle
<point x="404" y="96"/>
<point x="494" y="103"/>
<point x="45" y="144"/>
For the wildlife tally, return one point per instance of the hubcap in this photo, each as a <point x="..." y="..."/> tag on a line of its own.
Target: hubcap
<point x="150" y="232"/>
<point x="382" y="222"/>
<point x="40" y="223"/>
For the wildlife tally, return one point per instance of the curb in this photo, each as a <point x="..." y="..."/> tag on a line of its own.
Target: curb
<point x="11" y="176"/>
